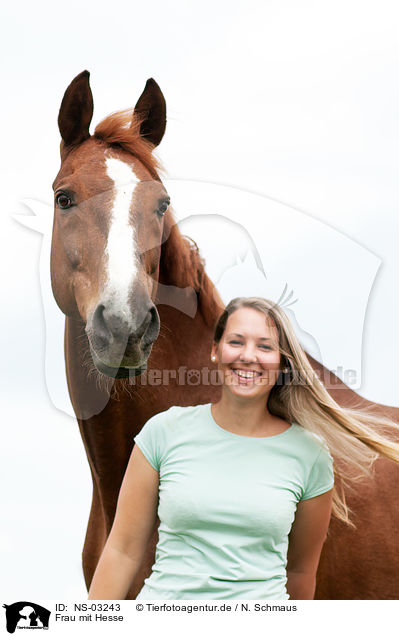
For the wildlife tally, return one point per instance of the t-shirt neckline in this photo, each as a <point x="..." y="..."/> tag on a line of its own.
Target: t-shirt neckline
<point x="229" y="433"/>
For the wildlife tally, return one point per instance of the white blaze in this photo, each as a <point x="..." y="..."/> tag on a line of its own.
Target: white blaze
<point x="121" y="249"/>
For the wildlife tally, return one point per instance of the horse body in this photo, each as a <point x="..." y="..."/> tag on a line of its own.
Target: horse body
<point x="139" y="305"/>
<point x="363" y="562"/>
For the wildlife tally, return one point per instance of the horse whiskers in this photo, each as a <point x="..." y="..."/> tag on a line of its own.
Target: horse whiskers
<point x="163" y="328"/>
<point x="103" y="383"/>
<point x="113" y="388"/>
<point x="130" y="390"/>
<point x="122" y="386"/>
<point x="163" y="335"/>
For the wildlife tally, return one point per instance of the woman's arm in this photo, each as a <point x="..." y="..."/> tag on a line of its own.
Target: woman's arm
<point x="306" y="539"/>
<point x="135" y="520"/>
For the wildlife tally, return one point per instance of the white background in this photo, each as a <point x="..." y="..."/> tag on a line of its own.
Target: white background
<point x="295" y="101"/>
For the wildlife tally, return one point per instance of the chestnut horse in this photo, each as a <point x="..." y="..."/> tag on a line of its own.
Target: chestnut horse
<point x="138" y="302"/>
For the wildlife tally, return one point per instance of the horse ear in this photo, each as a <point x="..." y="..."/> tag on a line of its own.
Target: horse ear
<point x="150" y="110"/>
<point x="76" y="110"/>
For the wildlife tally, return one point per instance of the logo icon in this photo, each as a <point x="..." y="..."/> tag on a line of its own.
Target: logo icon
<point x="26" y="615"/>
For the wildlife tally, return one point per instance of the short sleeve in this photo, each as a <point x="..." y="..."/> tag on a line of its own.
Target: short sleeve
<point x="151" y="439"/>
<point x="321" y="476"/>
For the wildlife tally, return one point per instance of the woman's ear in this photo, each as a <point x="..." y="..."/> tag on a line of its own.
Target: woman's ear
<point x="214" y="352"/>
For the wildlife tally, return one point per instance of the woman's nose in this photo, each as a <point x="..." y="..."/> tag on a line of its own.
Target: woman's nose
<point x="248" y="354"/>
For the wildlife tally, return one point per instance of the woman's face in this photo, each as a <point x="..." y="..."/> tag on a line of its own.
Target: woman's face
<point x="248" y="353"/>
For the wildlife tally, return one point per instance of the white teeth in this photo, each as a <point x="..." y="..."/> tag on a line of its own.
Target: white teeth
<point x="246" y="374"/>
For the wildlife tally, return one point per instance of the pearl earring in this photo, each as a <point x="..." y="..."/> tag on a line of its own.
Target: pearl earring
<point x="213" y="358"/>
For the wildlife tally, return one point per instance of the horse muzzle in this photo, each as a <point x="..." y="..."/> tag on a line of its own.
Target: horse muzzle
<point x="120" y="345"/>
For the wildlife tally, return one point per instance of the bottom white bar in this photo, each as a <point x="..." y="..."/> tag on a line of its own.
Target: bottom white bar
<point x="126" y="617"/>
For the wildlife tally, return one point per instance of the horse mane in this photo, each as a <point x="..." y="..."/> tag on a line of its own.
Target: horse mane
<point x="122" y="129"/>
<point x="182" y="265"/>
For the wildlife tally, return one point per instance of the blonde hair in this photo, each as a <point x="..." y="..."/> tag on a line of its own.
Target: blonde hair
<point x="355" y="437"/>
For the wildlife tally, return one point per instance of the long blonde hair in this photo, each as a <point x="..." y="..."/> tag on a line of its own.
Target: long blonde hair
<point x="355" y="437"/>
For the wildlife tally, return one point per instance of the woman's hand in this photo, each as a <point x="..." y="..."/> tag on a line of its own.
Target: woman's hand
<point x="306" y="539"/>
<point x="135" y="520"/>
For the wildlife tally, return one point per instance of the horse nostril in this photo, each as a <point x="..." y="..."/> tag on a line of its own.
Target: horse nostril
<point x="109" y="324"/>
<point x="154" y="316"/>
<point x="152" y="329"/>
<point x="138" y="334"/>
<point x="98" y="322"/>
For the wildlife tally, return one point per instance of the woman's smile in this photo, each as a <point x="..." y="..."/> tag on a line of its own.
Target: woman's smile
<point x="246" y="376"/>
<point x="248" y="353"/>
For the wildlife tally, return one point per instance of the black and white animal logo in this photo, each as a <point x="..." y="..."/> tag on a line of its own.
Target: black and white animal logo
<point x="26" y="615"/>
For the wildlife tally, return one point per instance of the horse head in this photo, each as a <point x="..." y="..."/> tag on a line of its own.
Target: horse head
<point x="110" y="222"/>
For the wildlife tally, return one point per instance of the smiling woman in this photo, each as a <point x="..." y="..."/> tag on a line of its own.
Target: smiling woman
<point x="246" y="485"/>
<point x="249" y="357"/>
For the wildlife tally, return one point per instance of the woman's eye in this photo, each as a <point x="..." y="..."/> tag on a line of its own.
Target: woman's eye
<point x="235" y="342"/>
<point x="63" y="201"/>
<point x="265" y="347"/>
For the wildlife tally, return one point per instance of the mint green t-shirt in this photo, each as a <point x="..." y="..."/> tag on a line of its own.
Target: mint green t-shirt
<point x="226" y="504"/>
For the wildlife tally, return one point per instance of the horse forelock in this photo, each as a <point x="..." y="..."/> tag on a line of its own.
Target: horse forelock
<point x="122" y="129"/>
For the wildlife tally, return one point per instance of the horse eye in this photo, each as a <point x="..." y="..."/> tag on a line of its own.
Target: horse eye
<point x="63" y="201"/>
<point x="162" y="208"/>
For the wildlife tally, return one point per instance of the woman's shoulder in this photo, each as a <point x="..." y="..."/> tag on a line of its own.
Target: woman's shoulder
<point x="175" y="414"/>
<point x="316" y="461"/>
<point x="309" y="442"/>
<point x="175" y="424"/>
